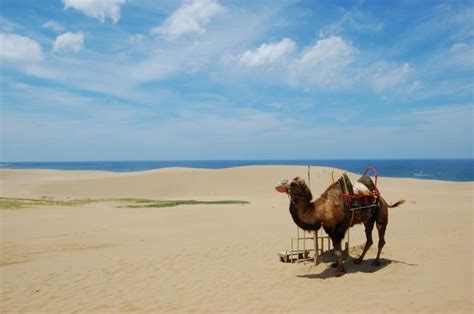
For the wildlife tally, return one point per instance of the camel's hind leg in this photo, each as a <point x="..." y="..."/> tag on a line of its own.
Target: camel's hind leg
<point x="369" y="226"/>
<point x="381" y="228"/>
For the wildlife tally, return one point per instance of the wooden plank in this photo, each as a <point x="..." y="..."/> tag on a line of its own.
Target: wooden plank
<point x="294" y="252"/>
<point x="295" y="256"/>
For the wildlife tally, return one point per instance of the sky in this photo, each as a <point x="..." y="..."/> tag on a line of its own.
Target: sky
<point x="217" y="79"/>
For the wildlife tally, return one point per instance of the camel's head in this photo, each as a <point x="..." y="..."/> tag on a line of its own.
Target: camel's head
<point x="296" y="188"/>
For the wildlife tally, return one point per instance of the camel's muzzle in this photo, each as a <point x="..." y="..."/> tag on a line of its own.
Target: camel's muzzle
<point x="282" y="186"/>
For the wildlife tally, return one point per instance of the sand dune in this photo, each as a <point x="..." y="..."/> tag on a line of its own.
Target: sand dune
<point x="220" y="258"/>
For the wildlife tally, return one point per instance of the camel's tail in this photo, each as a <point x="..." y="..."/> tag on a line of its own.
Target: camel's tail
<point x="396" y="204"/>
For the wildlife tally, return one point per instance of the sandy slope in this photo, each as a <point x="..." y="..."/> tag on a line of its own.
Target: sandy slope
<point x="223" y="257"/>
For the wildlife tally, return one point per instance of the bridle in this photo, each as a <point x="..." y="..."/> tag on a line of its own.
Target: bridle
<point x="292" y="198"/>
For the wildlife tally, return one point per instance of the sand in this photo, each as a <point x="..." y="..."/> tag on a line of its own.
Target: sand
<point x="223" y="258"/>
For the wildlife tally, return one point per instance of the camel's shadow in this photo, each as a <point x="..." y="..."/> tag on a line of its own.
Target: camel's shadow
<point x="351" y="268"/>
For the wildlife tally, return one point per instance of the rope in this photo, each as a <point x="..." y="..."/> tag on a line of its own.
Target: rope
<point x="332" y="175"/>
<point x="309" y="176"/>
<point x="349" y="228"/>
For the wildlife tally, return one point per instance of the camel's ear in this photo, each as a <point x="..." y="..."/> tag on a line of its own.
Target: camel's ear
<point x="298" y="180"/>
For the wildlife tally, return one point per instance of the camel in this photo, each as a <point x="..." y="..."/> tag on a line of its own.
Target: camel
<point x="330" y="212"/>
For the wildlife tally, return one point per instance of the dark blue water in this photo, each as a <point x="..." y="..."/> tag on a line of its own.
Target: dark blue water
<point x="434" y="169"/>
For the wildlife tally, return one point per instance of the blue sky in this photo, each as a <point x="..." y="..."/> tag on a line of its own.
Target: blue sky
<point x="217" y="79"/>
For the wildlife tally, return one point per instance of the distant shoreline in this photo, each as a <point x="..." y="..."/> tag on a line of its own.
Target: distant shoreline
<point x="459" y="170"/>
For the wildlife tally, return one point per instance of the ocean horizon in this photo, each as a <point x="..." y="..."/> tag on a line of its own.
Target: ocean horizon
<point x="432" y="169"/>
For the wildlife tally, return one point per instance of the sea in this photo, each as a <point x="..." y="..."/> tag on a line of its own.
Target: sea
<point x="432" y="169"/>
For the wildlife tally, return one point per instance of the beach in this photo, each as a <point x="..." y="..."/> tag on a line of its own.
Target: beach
<point x="105" y="257"/>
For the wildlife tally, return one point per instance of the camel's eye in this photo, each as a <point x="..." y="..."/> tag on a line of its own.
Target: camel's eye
<point x="293" y="185"/>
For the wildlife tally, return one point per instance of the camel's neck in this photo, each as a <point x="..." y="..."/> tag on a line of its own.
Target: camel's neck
<point x="303" y="212"/>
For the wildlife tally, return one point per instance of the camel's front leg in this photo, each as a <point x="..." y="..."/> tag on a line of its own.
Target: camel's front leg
<point x="339" y="258"/>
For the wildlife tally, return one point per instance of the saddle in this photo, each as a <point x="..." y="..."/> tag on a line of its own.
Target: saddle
<point x="362" y="194"/>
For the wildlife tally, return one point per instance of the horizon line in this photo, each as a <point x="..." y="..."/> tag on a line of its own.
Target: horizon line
<point x="257" y="159"/>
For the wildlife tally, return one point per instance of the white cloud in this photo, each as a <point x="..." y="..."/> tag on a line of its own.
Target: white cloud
<point x="328" y="52"/>
<point x="353" y="20"/>
<point x="325" y="63"/>
<point x="16" y="48"/>
<point x="383" y="76"/>
<point x="99" y="9"/>
<point x="415" y="85"/>
<point x="137" y="37"/>
<point x="7" y="26"/>
<point x="55" y="26"/>
<point x="69" y="42"/>
<point x="190" y="17"/>
<point x="459" y="55"/>
<point x="267" y="53"/>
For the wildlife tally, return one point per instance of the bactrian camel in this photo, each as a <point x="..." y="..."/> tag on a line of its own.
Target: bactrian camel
<point x="331" y="212"/>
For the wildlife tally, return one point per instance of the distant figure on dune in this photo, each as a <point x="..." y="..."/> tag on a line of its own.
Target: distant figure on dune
<point x="336" y="211"/>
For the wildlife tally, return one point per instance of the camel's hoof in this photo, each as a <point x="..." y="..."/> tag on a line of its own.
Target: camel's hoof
<point x="334" y="265"/>
<point x="357" y="261"/>
<point x="340" y="273"/>
<point x="376" y="263"/>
